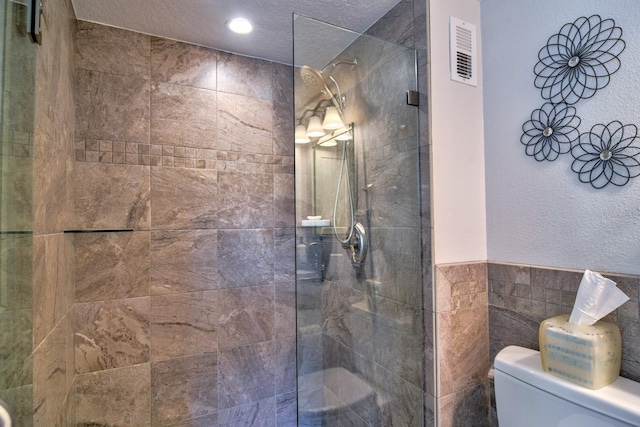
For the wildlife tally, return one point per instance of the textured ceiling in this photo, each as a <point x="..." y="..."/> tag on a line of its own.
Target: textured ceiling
<point x="202" y="22"/>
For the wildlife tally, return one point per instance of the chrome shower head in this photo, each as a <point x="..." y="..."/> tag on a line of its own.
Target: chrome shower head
<point x="313" y="79"/>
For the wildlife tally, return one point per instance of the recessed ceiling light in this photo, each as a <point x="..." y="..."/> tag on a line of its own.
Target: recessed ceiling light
<point x="240" y="25"/>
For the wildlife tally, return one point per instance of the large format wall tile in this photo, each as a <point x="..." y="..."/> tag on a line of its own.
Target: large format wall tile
<point x="183" y="261"/>
<point x="112" y="107"/>
<point x="112" y="50"/>
<point x="245" y="200"/>
<point x="184" y="388"/>
<point x="16" y="348"/>
<point x="117" y="397"/>
<point x="255" y="414"/>
<point x="245" y="258"/>
<point x="183" y="324"/>
<point x="247" y="374"/>
<point x="111" y="196"/>
<point x="183" y="198"/>
<point x="244" y="124"/>
<point x="463" y="342"/>
<point x="285" y="311"/>
<point x="50" y="376"/>
<point x="111" y="265"/>
<point x="50" y="196"/>
<point x="242" y="75"/>
<point x="283" y="126"/>
<point x="183" y="64"/>
<point x="53" y="291"/>
<point x="465" y="408"/>
<point x="284" y="200"/>
<point x="111" y="334"/>
<point x="183" y="116"/>
<point x="16" y="253"/>
<point x="246" y="316"/>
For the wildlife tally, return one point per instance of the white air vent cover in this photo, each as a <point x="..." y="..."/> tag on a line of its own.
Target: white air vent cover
<point x="462" y="48"/>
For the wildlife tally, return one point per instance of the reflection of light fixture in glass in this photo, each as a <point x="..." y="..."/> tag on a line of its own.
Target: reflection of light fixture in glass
<point x="314" y="129"/>
<point x="343" y="134"/>
<point x="328" y="143"/>
<point x="332" y="119"/>
<point x="301" y="134"/>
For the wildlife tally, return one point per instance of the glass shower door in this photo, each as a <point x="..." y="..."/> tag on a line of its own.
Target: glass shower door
<point x="358" y="273"/>
<point x="17" y="103"/>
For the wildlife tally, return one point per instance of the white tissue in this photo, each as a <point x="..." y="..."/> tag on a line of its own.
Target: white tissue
<point x="597" y="297"/>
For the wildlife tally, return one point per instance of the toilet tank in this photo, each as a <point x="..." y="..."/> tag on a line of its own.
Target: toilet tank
<point x="526" y="396"/>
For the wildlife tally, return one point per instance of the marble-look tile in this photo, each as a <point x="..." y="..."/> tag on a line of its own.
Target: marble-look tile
<point x="396" y="264"/>
<point x="396" y="26"/>
<point x="284" y="249"/>
<point x="429" y="410"/>
<point x="245" y="124"/>
<point x="112" y="107"/>
<point x="246" y="374"/>
<point x="183" y="64"/>
<point x="428" y="287"/>
<point x="509" y="273"/>
<point x="242" y="75"/>
<point x="111" y="334"/>
<point x="112" y="50"/>
<point x="463" y="348"/>
<point x="245" y="258"/>
<point x="183" y="116"/>
<point x="564" y="280"/>
<point x="53" y="293"/>
<point x="183" y="261"/>
<point x="465" y="408"/>
<point x="184" y="388"/>
<point x="50" y="376"/>
<point x="183" y="324"/>
<point x="255" y="414"/>
<point x="285" y="365"/>
<point x="17" y="347"/>
<point x="428" y="351"/>
<point x="17" y="174"/>
<point x="286" y="410"/>
<point x="111" y="196"/>
<point x="127" y="391"/>
<point x="283" y="126"/>
<point x="507" y="327"/>
<point x="111" y="265"/>
<point x="285" y="309"/>
<point x="183" y="198"/>
<point x="206" y="421"/>
<point x="20" y="400"/>
<point x="17" y="269"/>
<point x="425" y="186"/>
<point x="630" y="329"/>
<point x="284" y="200"/>
<point x="245" y="200"/>
<point x="245" y="316"/>
<point x="49" y="183"/>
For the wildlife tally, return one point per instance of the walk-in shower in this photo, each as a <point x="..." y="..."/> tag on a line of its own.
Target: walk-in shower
<point x="358" y="269"/>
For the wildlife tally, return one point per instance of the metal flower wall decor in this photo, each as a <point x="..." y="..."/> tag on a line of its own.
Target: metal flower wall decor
<point x="576" y="63"/>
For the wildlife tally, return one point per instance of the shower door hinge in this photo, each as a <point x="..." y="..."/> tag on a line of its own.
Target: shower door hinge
<point x="413" y="98"/>
<point x="33" y="20"/>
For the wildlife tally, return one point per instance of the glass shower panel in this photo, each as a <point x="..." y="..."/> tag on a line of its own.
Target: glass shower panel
<point x="358" y="272"/>
<point x="17" y="102"/>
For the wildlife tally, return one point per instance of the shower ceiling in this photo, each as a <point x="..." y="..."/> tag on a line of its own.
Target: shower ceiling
<point x="202" y="22"/>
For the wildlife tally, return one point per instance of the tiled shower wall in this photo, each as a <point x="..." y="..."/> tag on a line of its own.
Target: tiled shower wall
<point x="53" y="357"/>
<point x="189" y="318"/>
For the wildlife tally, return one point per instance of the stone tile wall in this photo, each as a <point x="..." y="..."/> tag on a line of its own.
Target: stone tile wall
<point x="462" y="344"/>
<point x="519" y="297"/>
<point x="522" y="296"/>
<point x="189" y="319"/>
<point x="53" y="355"/>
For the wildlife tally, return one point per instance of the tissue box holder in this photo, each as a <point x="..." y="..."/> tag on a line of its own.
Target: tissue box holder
<point x="589" y="356"/>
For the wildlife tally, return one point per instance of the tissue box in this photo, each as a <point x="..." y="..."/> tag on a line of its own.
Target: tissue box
<point x="589" y="356"/>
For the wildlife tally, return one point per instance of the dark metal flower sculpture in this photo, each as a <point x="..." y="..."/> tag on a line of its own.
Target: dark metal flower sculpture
<point x="608" y="154"/>
<point x="550" y="131"/>
<point x="579" y="60"/>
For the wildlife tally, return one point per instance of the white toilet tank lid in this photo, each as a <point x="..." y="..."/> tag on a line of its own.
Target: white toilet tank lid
<point x="619" y="400"/>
